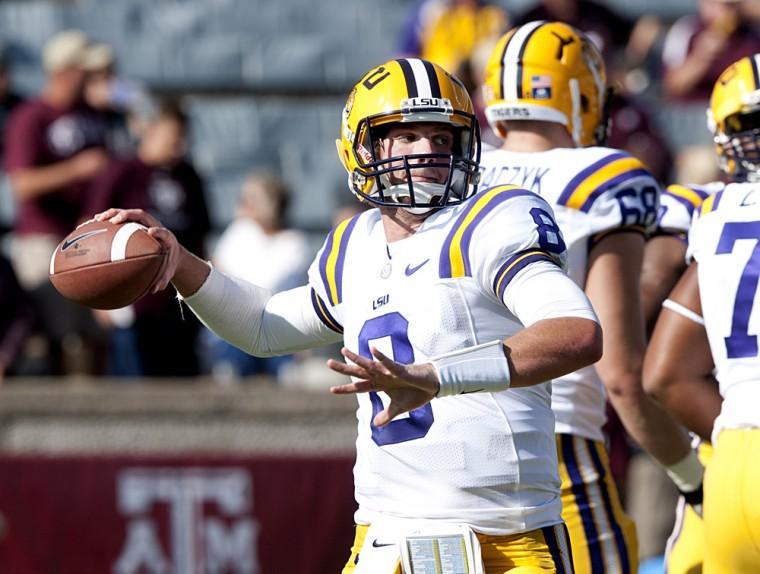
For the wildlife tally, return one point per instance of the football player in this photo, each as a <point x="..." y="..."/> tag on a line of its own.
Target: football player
<point x="664" y="264"/>
<point x="545" y="93"/>
<point x="454" y="311"/>
<point x="705" y="331"/>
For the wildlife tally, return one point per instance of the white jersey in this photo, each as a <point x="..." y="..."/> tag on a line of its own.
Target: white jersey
<point x="678" y="204"/>
<point x="725" y="242"/>
<point x="486" y="459"/>
<point x="593" y="191"/>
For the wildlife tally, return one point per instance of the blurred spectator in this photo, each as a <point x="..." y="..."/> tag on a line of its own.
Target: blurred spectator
<point x="634" y="130"/>
<point x="700" y="46"/>
<point x="8" y="101"/>
<point x="697" y="164"/>
<point x="453" y="33"/>
<point x="111" y="96"/>
<point x="8" y="98"/>
<point x="609" y="30"/>
<point x="161" y="181"/>
<point x="258" y="247"/>
<point x="53" y="148"/>
<point x="16" y="318"/>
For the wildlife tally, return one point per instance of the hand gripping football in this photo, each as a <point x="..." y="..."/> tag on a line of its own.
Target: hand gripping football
<point x="106" y="266"/>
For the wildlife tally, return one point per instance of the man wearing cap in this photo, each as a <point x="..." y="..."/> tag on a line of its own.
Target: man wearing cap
<point x="53" y="148"/>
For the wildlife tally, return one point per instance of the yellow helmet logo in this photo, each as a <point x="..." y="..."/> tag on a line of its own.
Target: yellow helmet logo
<point x="408" y="90"/>
<point x="547" y="71"/>
<point x="734" y="118"/>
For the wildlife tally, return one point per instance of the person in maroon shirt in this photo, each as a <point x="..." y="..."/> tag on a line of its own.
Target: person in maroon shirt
<point x="159" y="179"/>
<point x="9" y="99"/>
<point x="53" y="147"/>
<point x="699" y="47"/>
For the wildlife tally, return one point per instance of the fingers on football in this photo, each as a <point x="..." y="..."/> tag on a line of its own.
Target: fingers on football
<point x="163" y="236"/>
<point x="164" y="277"/>
<point x="137" y="215"/>
<point x="122" y="215"/>
<point x="104" y="215"/>
<point x="166" y="273"/>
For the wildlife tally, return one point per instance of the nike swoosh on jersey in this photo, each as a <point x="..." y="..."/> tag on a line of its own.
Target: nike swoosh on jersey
<point x="68" y="243"/>
<point x="376" y="544"/>
<point x="412" y="270"/>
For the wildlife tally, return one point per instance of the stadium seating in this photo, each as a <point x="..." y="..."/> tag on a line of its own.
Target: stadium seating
<point x="283" y="69"/>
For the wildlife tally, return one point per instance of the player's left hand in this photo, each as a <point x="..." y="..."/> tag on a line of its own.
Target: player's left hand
<point x="408" y="386"/>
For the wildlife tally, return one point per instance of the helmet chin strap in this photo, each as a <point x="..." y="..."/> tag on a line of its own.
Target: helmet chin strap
<point x="424" y="192"/>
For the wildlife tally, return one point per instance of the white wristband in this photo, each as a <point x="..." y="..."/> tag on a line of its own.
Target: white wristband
<point x="687" y="473"/>
<point x="482" y="368"/>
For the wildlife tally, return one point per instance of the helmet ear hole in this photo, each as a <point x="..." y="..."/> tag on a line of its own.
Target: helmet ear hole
<point x="342" y="154"/>
<point x="584" y="104"/>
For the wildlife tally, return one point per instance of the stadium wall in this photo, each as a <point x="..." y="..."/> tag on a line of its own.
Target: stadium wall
<point x="174" y="479"/>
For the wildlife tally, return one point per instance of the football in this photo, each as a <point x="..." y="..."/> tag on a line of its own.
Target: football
<point x="106" y="266"/>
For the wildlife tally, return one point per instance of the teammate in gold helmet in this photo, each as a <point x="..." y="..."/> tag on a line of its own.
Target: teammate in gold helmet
<point x="680" y="353"/>
<point x="545" y="95"/>
<point x="734" y="119"/>
<point x="549" y="72"/>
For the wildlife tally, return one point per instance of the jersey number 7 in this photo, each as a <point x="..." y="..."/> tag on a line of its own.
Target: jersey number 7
<point x="740" y="343"/>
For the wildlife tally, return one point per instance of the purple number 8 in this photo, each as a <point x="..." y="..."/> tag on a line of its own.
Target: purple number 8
<point x="395" y="326"/>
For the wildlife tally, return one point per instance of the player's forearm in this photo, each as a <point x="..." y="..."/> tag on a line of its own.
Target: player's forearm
<point x="254" y="320"/>
<point x="230" y="307"/>
<point x="646" y="421"/>
<point x="191" y="273"/>
<point x="551" y="348"/>
<point x="694" y="401"/>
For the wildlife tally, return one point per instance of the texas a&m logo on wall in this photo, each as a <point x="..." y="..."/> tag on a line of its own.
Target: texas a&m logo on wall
<point x="187" y="520"/>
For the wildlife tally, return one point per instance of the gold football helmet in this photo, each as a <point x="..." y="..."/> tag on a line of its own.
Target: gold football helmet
<point x="548" y="71"/>
<point x="734" y="119"/>
<point x="408" y="90"/>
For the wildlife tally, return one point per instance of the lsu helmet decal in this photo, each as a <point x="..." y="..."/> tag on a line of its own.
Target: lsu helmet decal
<point x="408" y="90"/>
<point x="734" y="119"/>
<point x="548" y="71"/>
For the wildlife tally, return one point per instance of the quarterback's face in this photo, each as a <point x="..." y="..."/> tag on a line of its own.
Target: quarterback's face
<point x="421" y="138"/>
